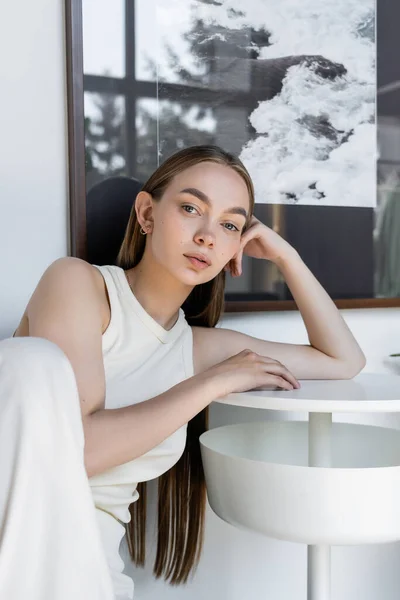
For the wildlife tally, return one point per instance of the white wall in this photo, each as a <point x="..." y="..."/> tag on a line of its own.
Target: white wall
<point x="33" y="166"/>
<point x="33" y="232"/>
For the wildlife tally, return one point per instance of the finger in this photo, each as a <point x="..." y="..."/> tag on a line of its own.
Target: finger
<point x="266" y="359"/>
<point x="282" y="371"/>
<point x="278" y="381"/>
<point x="232" y="267"/>
<point x="255" y="356"/>
<point x="272" y="365"/>
<point x="238" y="263"/>
<point x="228" y="267"/>
<point x="246" y="237"/>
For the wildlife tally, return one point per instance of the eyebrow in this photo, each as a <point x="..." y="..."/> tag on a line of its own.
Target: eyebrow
<point x="237" y="210"/>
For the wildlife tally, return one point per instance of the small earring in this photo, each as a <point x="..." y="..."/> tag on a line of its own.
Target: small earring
<point x="142" y="231"/>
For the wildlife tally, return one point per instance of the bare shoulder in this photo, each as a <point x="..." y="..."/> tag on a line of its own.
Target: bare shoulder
<point x="67" y="308"/>
<point x="69" y="266"/>
<point x="64" y="273"/>
<point x="69" y="272"/>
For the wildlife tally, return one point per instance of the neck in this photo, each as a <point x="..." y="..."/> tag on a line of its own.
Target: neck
<point x="160" y="294"/>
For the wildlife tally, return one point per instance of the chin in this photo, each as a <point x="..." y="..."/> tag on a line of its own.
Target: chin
<point x="205" y="277"/>
<point x="192" y="277"/>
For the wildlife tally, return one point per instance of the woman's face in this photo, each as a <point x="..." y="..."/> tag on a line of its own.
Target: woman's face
<point x="204" y="211"/>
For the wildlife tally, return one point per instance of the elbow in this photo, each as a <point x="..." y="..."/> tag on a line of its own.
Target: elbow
<point x="90" y="472"/>
<point x="360" y="363"/>
<point x="91" y="464"/>
<point x="88" y="462"/>
<point x="352" y="367"/>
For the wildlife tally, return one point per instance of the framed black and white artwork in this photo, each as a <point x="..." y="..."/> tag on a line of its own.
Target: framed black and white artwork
<point x="307" y="94"/>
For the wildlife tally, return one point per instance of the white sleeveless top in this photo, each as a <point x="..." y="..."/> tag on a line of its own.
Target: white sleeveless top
<point x="142" y="360"/>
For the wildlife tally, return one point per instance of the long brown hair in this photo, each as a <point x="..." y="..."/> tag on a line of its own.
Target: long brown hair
<point x="182" y="490"/>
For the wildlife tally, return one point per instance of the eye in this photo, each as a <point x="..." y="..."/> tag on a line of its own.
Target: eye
<point x="184" y="206"/>
<point x="234" y="227"/>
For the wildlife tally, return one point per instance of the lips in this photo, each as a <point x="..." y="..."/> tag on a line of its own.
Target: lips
<point x="197" y="262"/>
<point x="200" y="257"/>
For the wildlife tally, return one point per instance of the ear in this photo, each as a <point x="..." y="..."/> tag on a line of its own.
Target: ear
<point x="144" y="210"/>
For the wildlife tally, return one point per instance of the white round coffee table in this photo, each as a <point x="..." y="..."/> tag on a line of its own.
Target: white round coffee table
<point x="315" y="482"/>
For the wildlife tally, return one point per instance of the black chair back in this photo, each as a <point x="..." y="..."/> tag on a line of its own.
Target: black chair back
<point x="108" y="206"/>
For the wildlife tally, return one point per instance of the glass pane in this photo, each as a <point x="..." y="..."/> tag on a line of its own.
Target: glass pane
<point x="161" y="55"/>
<point x="163" y="127"/>
<point x="104" y="37"/>
<point x="146" y="46"/>
<point x="387" y="224"/>
<point x="105" y="148"/>
<point x="146" y="138"/>
<point x="387" y="214"/>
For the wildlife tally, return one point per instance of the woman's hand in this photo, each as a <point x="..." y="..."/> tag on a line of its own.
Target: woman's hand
<point x="250" y="371"/>
<point x="259" y="241"/>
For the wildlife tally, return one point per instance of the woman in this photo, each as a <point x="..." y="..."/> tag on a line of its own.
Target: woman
<point x="135" y="347"/>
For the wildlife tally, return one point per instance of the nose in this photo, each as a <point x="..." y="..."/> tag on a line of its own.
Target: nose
<point x="205" y="237"/>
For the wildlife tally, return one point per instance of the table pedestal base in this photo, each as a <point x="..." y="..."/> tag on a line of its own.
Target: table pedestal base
<point x="318" y="572"/>
<point x="319" y="557"/>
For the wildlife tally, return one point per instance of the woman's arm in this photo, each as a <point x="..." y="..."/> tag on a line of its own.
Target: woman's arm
<point x="333" y="352"/>
<point x="116" y="436"/>
<point x="327" y="331"/>
<point x="67" y="308"/>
